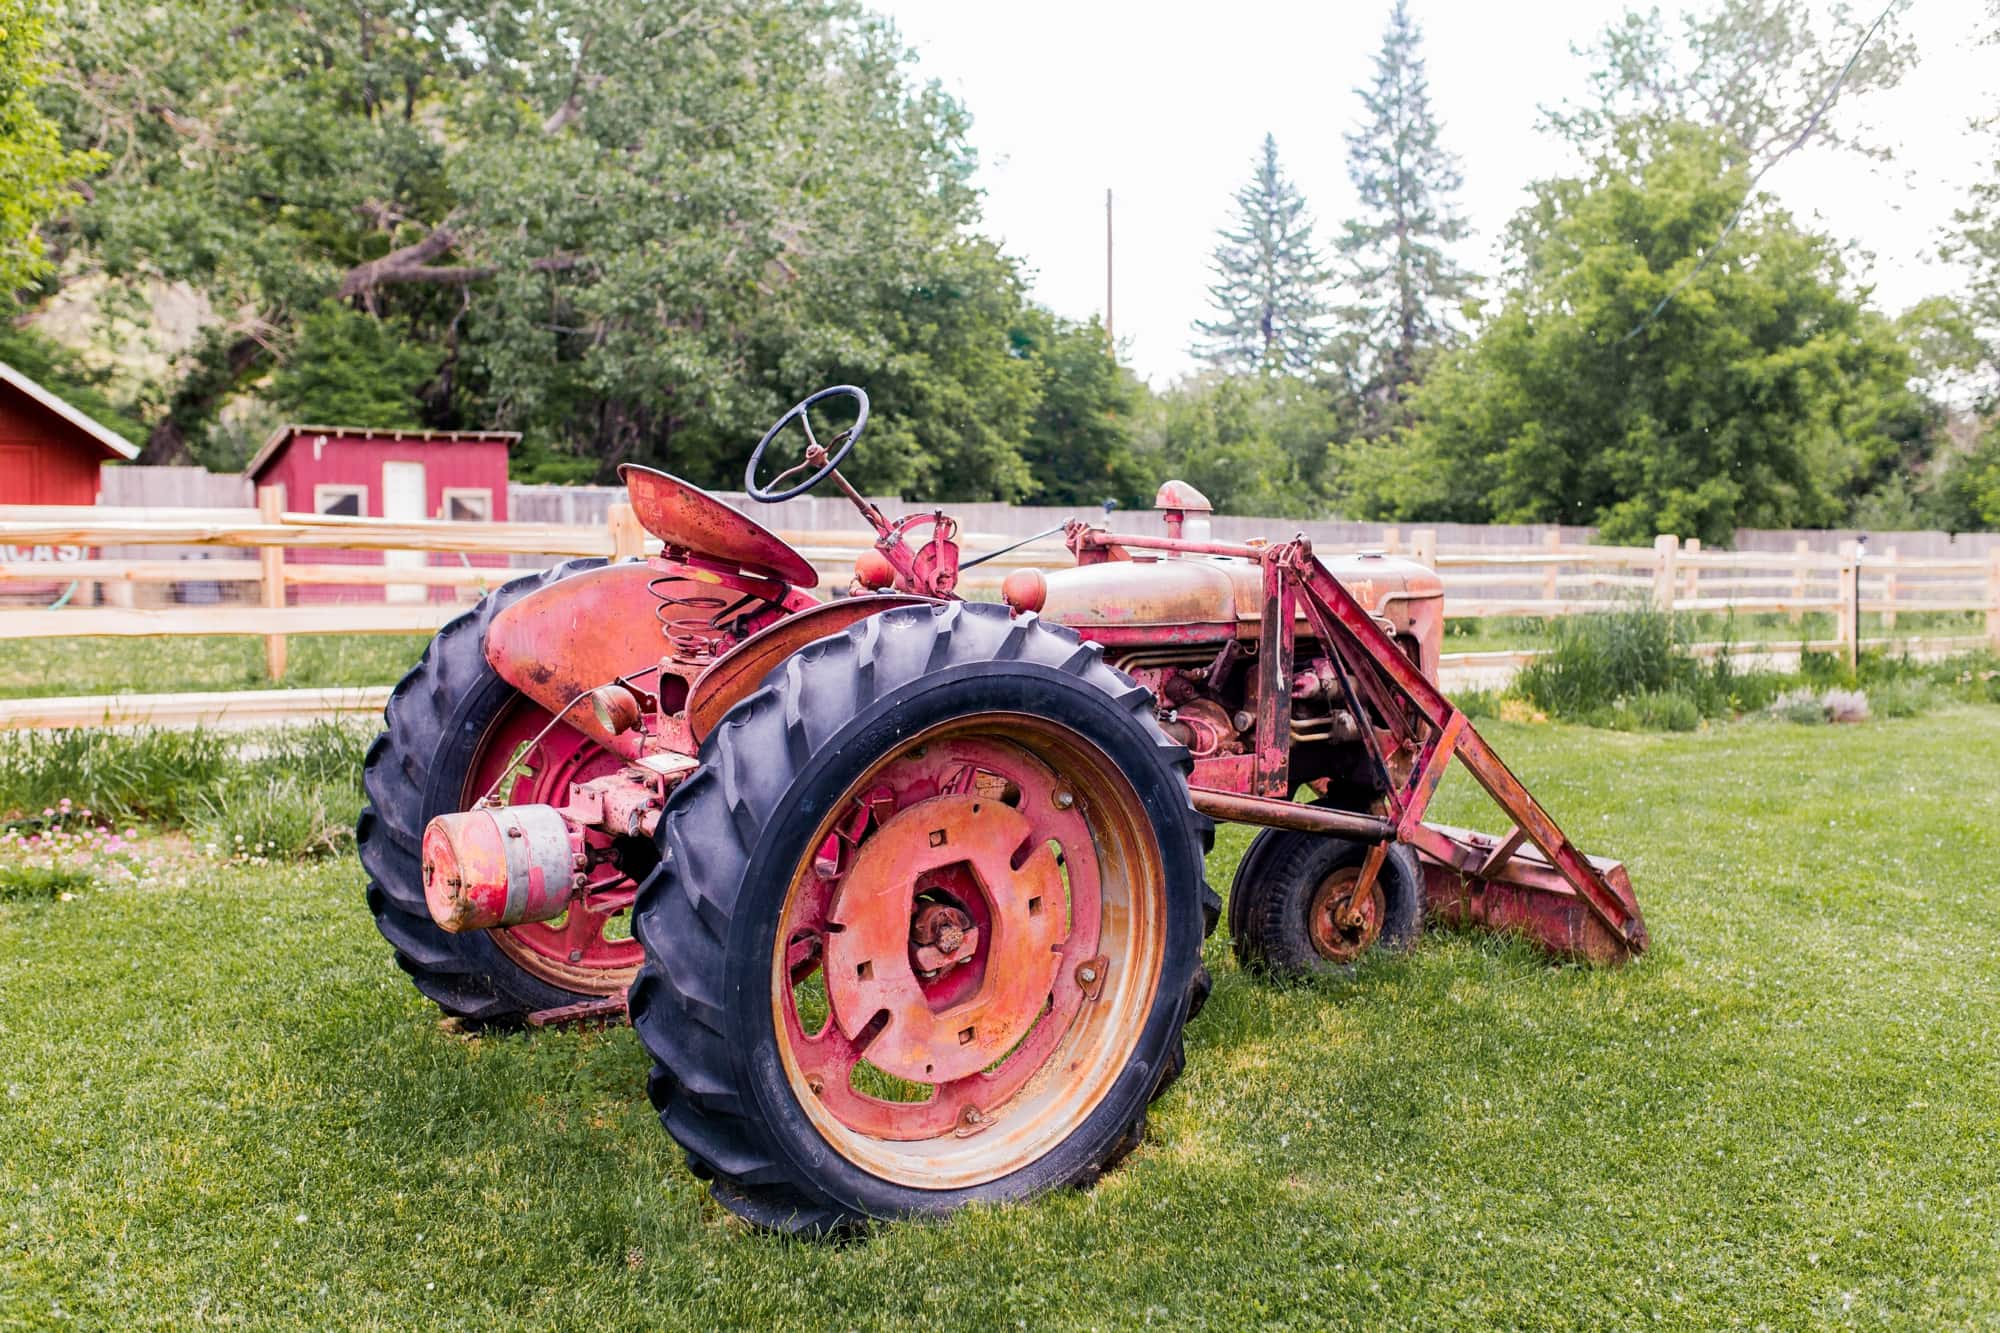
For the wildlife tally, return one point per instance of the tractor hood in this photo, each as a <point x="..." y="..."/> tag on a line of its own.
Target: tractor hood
<point x="1207" y="599"/>
<point x="1217" y="594"/>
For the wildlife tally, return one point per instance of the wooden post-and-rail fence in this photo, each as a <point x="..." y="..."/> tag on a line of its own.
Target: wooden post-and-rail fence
<point x="69" y="572"/>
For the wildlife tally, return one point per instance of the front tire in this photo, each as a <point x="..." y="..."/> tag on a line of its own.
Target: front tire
<point x="820" y="1057"/>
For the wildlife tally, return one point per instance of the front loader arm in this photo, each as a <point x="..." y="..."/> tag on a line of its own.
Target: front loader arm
<point x="1473" y="866"/>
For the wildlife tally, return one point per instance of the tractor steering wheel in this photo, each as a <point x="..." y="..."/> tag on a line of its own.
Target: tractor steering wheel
<point x="843" y="444"/>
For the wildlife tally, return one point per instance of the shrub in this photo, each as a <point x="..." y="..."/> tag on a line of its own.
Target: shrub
<point x="1901" y="698"/>
<point x="1593" y="661"/>
<point x="1802" y="706"/>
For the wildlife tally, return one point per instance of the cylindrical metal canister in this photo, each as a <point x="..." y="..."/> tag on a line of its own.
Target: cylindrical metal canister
<point x="503" y="867"/>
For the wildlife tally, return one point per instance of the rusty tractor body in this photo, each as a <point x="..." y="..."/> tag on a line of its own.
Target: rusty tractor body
<point x="903" y="892"/>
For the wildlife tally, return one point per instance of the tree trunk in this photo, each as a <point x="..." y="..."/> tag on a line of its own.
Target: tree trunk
<point x="196" y="399"/>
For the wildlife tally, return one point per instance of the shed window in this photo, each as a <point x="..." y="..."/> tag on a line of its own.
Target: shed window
<point x="343" y="501"/>
<point x="468" y="504"/>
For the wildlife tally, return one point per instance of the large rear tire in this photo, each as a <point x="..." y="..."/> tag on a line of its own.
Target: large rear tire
<point x="815" y="1068"/>
<point x="450" y="726"/>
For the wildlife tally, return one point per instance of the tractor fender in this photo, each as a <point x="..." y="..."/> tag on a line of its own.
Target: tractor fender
<point x="739" y="672"/>
<point x="575" y="634"/>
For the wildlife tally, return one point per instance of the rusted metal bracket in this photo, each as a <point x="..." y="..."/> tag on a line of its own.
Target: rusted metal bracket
<point x="1352" y="634"/>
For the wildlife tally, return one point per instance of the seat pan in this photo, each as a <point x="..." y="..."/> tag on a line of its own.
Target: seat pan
<point x="689" y="519"/>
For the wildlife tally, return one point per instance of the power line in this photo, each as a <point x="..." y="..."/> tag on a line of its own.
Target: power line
<point x="1751" y="192"/>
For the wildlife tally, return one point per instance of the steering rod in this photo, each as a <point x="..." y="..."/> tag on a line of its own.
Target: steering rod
<point x="816" y="457"/>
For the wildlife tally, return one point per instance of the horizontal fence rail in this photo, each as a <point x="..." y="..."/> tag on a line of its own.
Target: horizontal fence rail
<point x="85" y="571"/>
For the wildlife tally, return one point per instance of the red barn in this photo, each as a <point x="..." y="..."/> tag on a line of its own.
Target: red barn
<point x="49" y="451"/>
<point x="397" y="474"/>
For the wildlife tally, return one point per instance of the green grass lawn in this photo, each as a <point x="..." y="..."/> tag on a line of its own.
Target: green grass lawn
<point x="224" y="1104"/>
<point x="44" y="667"/>
<point x="1517" y="633"/>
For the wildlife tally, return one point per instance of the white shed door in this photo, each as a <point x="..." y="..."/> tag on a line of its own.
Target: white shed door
<point x="403" y="499"/>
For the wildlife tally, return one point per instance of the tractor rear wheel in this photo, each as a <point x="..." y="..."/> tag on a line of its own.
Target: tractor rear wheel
<point x="453" y="729"/>
<point x="926" y="927"/>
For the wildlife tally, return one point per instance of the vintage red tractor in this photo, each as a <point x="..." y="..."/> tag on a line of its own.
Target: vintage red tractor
<point x="903" y="892"/>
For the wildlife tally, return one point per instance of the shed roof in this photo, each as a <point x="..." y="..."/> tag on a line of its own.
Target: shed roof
<point x="283" y="434"/>
<point x="110" y="440"/>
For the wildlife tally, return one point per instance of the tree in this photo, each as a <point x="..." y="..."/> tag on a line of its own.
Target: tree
<point x="352" y="370"/>
<point x="38" y="174"/>
<point x="1973" y="239"/>
<point x="1079" y="445"/>
<point x="1252" y="444"/>
<point x="1269" y="311"/>
<point x="1762" y="395"/>
<point x="1395" y="250"/>
<point x="635" y="231"/>
<point x="1755" y="70"/>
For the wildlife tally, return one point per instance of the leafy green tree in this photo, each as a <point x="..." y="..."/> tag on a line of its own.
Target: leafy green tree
<point x="1079" y="445"/>
<point x="1973" y="240"/>
<point x="1397" y="263"/>
<point x="1754" y="70"/>
<point x="1270" y="311"/>
<point x="1252" y="444"/>
<point x="1761" y="395"/>
<point x="635" y="231"/>
<point x="38" y="173"/>
<point x="351" y="369"/>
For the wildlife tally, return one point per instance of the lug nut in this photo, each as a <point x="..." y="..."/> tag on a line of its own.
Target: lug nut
<point x="1086" y="974"/>
<point x="1064" y="798"/>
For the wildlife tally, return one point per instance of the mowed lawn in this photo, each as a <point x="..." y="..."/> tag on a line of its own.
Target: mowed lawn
<point x="223" y="1104"/>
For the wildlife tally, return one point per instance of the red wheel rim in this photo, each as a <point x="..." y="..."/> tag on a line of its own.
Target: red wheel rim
<point x="589" y="949"/>
<point x="1341" y="928"/>
<point x="983" y="910"/>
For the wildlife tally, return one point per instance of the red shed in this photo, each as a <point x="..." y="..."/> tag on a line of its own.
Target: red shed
<point x="398" y="474"/>
<point x="49" y="451"/>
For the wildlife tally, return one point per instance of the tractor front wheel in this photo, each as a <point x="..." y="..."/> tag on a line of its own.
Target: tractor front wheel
<point x="1295" y="913"/>
<point x="926" y="927"/>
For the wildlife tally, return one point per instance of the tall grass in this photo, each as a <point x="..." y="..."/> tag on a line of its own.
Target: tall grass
<point x="287" y="792"/>
<point x="1631" y="668"/>
<point x="145" y="774"/>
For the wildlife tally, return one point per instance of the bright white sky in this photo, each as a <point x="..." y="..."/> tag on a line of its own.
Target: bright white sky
<point x="1166" y="101"/>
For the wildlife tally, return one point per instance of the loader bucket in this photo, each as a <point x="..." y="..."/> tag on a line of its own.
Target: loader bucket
<point x="1516" y="890"/>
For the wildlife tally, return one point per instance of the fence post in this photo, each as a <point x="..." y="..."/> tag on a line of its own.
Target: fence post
<point x="628" y="539"/>
<point x="1665" y="548"/>
<point x="1552" y="541"/>
<point x="1993" y="600"/>
<point x="1847" y="622"/>
<point x="1424" y="546"/>
<point x="271" y="559"/>
<point x="1392" y="541"/>
<point x="1802" y="571"/>
<point x="1890" y="590"/>
<point x="1691" y="546"/>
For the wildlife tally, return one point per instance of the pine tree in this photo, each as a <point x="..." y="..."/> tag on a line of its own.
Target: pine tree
<point x="1395" y="251"/>
<point x="1269" y="311"/>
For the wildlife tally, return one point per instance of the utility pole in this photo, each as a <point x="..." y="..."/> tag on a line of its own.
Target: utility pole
<point x="1109" y="336"/>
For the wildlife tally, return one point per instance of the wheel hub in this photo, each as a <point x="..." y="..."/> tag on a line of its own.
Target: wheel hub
<point x="888" y="951"/>
<point x="1341" y="925"/>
